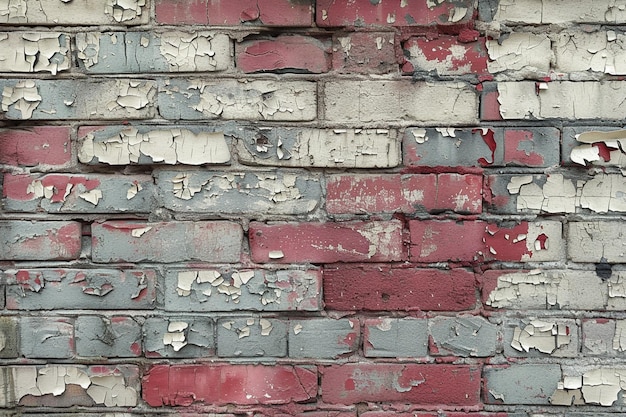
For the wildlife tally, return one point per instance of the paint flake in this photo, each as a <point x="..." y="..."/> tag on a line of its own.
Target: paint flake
<point x="589" y="151"/>
<point x="546" y="337"/>
<point x="124" y="10"/>
<point x="24" y="97"/>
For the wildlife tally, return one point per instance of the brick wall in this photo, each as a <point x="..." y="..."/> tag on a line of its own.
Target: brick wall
<point x="313" y="208"/>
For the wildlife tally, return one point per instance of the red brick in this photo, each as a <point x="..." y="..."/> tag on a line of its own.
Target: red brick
<point x="16" y="186"/>
<point x="365" y="53"/>
<point x="446" y="386"/>
<point x="437" y="241"/>
<point x="446" y="55"/>
<point x="380" y="287"/>
<point x="42" y="240"/>
<point x="327" y="242"/>
<point x="489" y="104"/>
<point x="176" y="12"/>
<point x="43" y="145"/>
<point x="365" y="194"/>
<point x="302" y="53"/>
<point x="332" y="13"/>
<point x="459" y="193"/>
<point x="514" y="140"/>
<point x="223" y="384"/>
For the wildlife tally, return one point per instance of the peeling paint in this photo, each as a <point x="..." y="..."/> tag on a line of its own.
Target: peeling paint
<point x="600" y="386"/>
<point x="169" y="146"/>
<point x="134" y="94"/>
<point x="194" y="51"/>
<point x="602" y="51"/>
<point x="520" y="51"/>
<point x="175" y="335"/>
<point x="124" y="10"/>
<point x="88" y="45"/>
<point x="544" y="336"/>
<point x="34" y="52"/>
<point x="24" y="97"/>
<point x="591" y="151"/>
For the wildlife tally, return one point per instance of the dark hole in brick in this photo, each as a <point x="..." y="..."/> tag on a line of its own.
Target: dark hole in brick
<point x="603" y="269"/>
<point x="385" y="296"/>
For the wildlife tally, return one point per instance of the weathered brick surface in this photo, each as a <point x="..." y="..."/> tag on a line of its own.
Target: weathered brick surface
<point x="312" y="208"/>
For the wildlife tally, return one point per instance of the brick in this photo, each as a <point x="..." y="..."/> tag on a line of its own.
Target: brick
<point x="47" y="337"/>
<point x="365" y="53"/>
<point x="70" y="386"/>
<point x="531" y="147"/>
<point x="109" y="337"/>
<point x="40" y="240"/>
<point x="210" y="241"/>
<point x="535" y="12"/>
<point x="171" y="51"/>
<point x="395" y="338"/>
<point x="444" y="55"/>
<point x="522" y="52"/>
<point x="78" y="99"/>
<point x="93" y="193"/>
<point x="249" y="192"/>
<point x="196" y="99"/>
<point x="333" y="13"/>
<point x="600" y="151"/>
<point x="44" y="147"/>
<point x="326" y="242"/>
<point x="523" y="242"/>
<point x="250" y="337"/>
<point x="557" y="193"/>
<point x="399" y="102"/>
<point x="34" y="52"/>
<point x="179" y="337"/>
<point x="70" y="289"/>
<point x="323" y="148"/>
<point x="452" y="385"/>
<point x="284" y="53"/>
<point x="278" y="384"/>
<point x="347" y="193"/>
<point x="603" y="337"/>
<point x="596" y="241"/>
<point x="554" y="290"/>
<point x="49" y="12"/>
<point x="225" y="290"/>
<point x="521" y="384"/>
<point x="341" y="338"/>
<point x="530" y="100"/>
<point x="537" y="337"/>
<point x="600" y="51"/>
<point x="380" y="287"/>
<point x="462" y="336"/>
<point x="10" y="336"/>
<point x="148" y="145"/>
<point x="225" y="13"/>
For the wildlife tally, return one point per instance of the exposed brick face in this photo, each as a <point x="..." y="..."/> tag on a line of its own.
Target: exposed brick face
<point x="312" y="208"/>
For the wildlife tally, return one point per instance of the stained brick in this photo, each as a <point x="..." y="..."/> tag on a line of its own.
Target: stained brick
<point x="284" y="54"/>
<point x="40" y="240"/>
<point x="341" y="337"/>
<point x="37" y="146"/>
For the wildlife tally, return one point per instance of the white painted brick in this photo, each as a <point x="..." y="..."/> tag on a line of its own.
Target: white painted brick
<point x="400" y="102"/>
<point x="598" y="51"/>
<point x="34" y="52"/>
<point x="564" y="100"/>
<point x="84" y="12"/>
<point x="561" y="11"/>
<point x="597" y="240"/>
<point x="520" y="51"/>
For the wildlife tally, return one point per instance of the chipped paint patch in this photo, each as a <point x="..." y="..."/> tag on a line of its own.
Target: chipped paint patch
<point x="197" y="51"/>
<point x="601" y="386"/>
<point x="24" y="97"/>
<point x="544" y="336"/>
<point x="594" y="144"/>
<point x="520" y="51"/>
<point x="34" y="52"/>
<point x="124" y="10"/>
<point x="601" y="51"/>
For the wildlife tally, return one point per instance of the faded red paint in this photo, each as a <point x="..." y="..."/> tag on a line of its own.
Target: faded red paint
<point x="16" y="186"/>
<point x="333" y="13"/>
<point x="326" y="242"/>
<point x="221" y="384"/>
<point x="61" y="243"/>
<point x="135" y="348"/>
<point x="284" y="53"/>
<point x="459" y="193"/>
<point x="380" y="287"/>
<point x="490" y="141"/>
<point x="489" y="105"/>
<point x="41" y="145"/>
<point x="262" y="12"/>
<point x="432" y="240"/>
<point x="364" y="194"/>
<point x="173" y="12"/>
<point x="446" y="386"/>
<point x="502" y="240"/>
<point x="445" y="51"/>
<point x="603" y="151"/>
<point x="365" y="53"/>
<point x="514" y="152"/>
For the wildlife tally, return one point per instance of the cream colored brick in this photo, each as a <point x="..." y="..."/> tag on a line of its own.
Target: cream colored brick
<point x="520" y="51"/>
<point x="603" y="51"/>
<point x="594" y="241"/>
<point x="34" y="52"/>
<point x="83" y="12"/>
<point x="561" y="11"/>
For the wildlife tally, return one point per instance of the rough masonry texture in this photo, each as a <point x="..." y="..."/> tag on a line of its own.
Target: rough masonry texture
<point x="312" y="208"/>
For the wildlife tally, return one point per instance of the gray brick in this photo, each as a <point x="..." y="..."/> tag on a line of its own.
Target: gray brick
<point x="9" y="337"/>
<point x="115" y="337"/>
<point x="47" y="337"/>
<point x="78" y="99"/>
<point x="93" y="193"/>
<point x="69" y="289"/>
<point x="521" y="384"/>
<point x="196" y="99"/>
<point x="395" y="338"/>
<point x="239" y="192"/>
<point x="569" y="143"/>
<point x="598" y="338"/>
<point x="224" y="289"/>
<point x="172" y="51"/>
<point x="462" y="336"/>
<point x="250" y="337"/>
<point x="41" y="240"/>
<point x="541" y="337"/>
<point x="596" y="241"/>
<point x="340" y="337"/>
<point x="179" y="337"/>
<point x="209" y="241"/>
